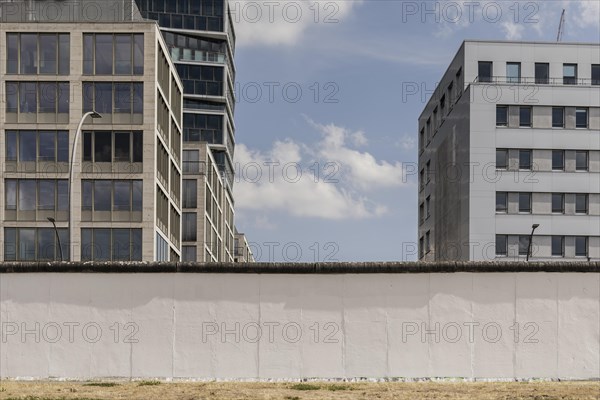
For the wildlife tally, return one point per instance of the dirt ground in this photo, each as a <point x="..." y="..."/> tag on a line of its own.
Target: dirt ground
<point x="153" y="390"/>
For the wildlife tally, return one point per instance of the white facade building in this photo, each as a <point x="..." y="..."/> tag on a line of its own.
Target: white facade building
<point x="511" y="139"/>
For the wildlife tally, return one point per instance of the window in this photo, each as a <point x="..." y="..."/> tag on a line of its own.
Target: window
<point x="525" y="203"/>
<point x="569" y="74"/>
<point x="581" y="160"/>
<point x="189" y="221"/>
<point x="558" y="117"/>
<point x="113" y="97"/>
<point x="596" y="74"/>
<point x="190" y="193"/>
<point x="558" y="246"/>
<point x="525" y="159"/>
<point x="558" y="203"/>
<point x="428" y="170"/>
<point x="202" y="79"/>
<point x="428" y="242"/>
<point x="421" y="213"/>
<point x="201" y="127"/>
<point x="37" y="97"/>
<point x="113" y="54"/>
<point x="513" y="72"/>
<point x="501" y="159"/>
<point x="581" y="246"/>
<point x="36" y="194"/>
<point x="46" y="146"/>
<point x="525" y="117"/>
<point x="558" y="160"/>
<point x="422" y="179"/>
<point x="501" y="116"/>
<point x="501" y="245"/>
<point x="422" y="139"/>
<point x="542" y="73"/>
<point x="98" y="146"/>
<point x="501" y="202"/>
<point x="104" y="244"/>
<point x="421" y="247"/>
<point x="485" y="71"/>
<point x="111" y="195"/>
<point x="428" y="206"/>
<point x="38" y="53"/>
<point x="191" y="162"/>
<point x="523" y="245"/>
<point x="581" y="203"/>
<point x="581" y="118"/>
<point x="189" y="254"/>
<point x="31" y="244"/>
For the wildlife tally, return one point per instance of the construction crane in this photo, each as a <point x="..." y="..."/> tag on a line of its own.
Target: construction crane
<point x="561" y="26"/>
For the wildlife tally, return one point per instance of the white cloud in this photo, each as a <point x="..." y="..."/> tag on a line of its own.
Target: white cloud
<point x="407" y="142"/>
<point x="326" y="179"/>
<point x="588" y="13"/>
<point x="512" y="31"/>
<point x="284" y="22"/>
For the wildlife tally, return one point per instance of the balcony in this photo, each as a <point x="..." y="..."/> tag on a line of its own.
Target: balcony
<point x="191" y="55"/>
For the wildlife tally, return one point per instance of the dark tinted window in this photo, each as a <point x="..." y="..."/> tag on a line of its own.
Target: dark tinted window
<point x="581" y="160"/>
<point x="501" y="202"/>
<point x="558" y="246"/>
<point x="558" y="203"/>
<point x="501" y="116"/>
<point x="558" y="160"/>
<point x="525" y="116"/>
<point x="581" y="246"/>
<point x="558" y="117"/>
<point x="525" y="202"/>
<point x="525" y="159"/>
<point x="542" y="73"/>
<point x="581" y="118"/>
<point x="581" y="203"/>
<point x="596" y="74"/>
<point x="485" y="71"/>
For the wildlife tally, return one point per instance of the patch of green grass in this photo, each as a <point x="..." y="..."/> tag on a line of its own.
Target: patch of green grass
<point x="334" y="388"/>
<point x="305" y="386"/>
<point x="149" y="383"/>
<point x="102" y="384"/>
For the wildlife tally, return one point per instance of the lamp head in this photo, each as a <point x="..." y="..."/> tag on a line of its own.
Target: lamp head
<point x="95" y="115"/>
<point x="51" y="219"/>
<point x="535" y="226"/>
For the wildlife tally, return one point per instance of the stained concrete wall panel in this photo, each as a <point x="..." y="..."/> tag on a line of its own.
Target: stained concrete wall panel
<point x="365" y="321"/>
<point x="494" y="313"/>
<point x="561" y="339"/>
<point x="408" y="310"/>
<point x="27" y="303"/>
<point x="450" y="303"/>
<point x="153" y="311"/>
<point x="578" y="307"/>
<point x="102" y="320"/>
<point x="536" y="314"/>
<point x="323" y="304"/>
<point x="236" y="360"/>
<point x="281" y="308"/>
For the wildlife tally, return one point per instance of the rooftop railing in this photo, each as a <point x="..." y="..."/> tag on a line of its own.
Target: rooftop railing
<point x="511" y="80"/>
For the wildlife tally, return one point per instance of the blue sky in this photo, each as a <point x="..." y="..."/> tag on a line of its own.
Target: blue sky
<point x="326" y="138"/>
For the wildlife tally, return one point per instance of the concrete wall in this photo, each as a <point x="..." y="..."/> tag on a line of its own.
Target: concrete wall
<point x="292" y="326"/>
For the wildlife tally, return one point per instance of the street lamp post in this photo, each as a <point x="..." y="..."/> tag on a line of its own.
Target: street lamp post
<point x="533" y="228"/>
<point x="57" y="237"/>
<point x="92" y="114"/>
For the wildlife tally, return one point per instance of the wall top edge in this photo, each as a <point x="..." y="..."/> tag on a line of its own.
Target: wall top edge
<point x="301" y="268"/>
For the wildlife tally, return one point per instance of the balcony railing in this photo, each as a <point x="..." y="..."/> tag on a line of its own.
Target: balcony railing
<point x="194" y="167"/>
<point x="511" y="80"/>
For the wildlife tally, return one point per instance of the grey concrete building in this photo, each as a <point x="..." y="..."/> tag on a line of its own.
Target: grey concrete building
<point x="510" y="139"/>
<point x="201" y="42"/>
<point x="93" y="65"/>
